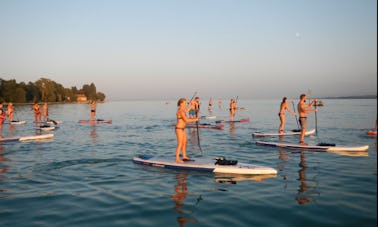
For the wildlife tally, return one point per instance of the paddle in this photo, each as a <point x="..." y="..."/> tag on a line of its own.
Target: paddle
<point x="316" y="119"/>
<point x="198" y="137"/>
<point x="296" y="119"/>
<point x="54" y="122"/>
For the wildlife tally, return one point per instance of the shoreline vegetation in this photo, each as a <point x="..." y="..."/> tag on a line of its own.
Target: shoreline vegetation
<point x="353" y="97"/>
<point x="46" y="90"/>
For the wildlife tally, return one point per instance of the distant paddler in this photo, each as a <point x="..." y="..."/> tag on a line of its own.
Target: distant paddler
<point x="93" y="110"/>
<point x="37" y="112"/>
<point x="45" y="112"/>
<point x="232" y="109"/>
<point x="10" y="112"/>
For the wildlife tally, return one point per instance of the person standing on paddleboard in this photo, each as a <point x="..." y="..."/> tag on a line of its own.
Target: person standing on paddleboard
<point x="281" y="114"/>
<point x="10" y="111"/>
<point x="37" y="113"/>
<point x="45" y="112"/>
<point x="93" y="110"/>
<point x="232" y="109"/>
<point x="2" y="115"/>
<point x="180" y="130"/>
<point x="303" y="110"/>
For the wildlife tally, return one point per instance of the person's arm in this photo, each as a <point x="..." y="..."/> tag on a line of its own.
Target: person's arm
<point x="183" y="116"/>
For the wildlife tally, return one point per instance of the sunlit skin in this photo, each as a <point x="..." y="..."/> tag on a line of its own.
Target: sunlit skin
<point x="180" y="130"/>
<point x="37" y="112"/>
<point x="232" y="109"/>
<point x="93" y="110"/>
<point x="2" y="118"/>
<point x="45" y="111"/>
<point x="10" y="111"/>
<point x="281" y="114"/>
<point x="303" y="110"/>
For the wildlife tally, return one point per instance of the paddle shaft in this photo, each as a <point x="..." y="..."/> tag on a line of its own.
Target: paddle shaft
<point x="316" y="119"/>
<point x="198" y="137"/>
<point x="296" y="119"/>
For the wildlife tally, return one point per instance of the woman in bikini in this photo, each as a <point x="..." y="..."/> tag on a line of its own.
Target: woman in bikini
<point x="10" y="111"/>
<point x="180" y="130"/>
<point x="232" y="109"/>
<point x="281" y="114"/>
<point x="37" y="113"/>
<point x="93" y="110"/>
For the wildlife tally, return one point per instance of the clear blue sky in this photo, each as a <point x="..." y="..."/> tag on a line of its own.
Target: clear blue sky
<point x="165" y="49"/>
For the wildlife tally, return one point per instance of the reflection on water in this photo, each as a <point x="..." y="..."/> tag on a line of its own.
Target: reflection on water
<point x="234" y="178"/>
<point x="11" y="131"/>
<point x="3" y="169"/>
<point x="93" y="133"/>
<point x="306" y="193"/>
<point x="179" y="197"/>
<point x="232" y="128"/>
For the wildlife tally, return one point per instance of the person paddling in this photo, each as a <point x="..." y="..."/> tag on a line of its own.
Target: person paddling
<point x="232" y="109"/>
<point x="10" y="111"/>
<point x="281" y="114"/>
<point x="303" y="110"/>
<point x="37" y="113"/>
<point x="180" y="130"/>
<point x="93" y="110"/>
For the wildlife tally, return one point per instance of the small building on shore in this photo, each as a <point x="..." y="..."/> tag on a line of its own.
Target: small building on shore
<point x="81" y="98"/>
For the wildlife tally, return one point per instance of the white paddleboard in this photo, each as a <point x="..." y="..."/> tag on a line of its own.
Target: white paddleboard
<point x="313" y="147"/>
<point x="290" y="133"/>
<point x="45" y="128"/>
<point x="17" y="122"/>
<point x="204" y="164"/>
<point x="27" y="138"/>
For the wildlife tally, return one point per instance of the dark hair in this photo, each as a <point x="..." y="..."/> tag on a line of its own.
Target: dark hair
<point x="284" y="99"/>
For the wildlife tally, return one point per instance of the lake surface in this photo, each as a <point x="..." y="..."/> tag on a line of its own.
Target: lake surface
<point x="85" y="176"/>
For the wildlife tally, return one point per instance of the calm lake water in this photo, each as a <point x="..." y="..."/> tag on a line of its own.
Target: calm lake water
<point x="85" y="176"/>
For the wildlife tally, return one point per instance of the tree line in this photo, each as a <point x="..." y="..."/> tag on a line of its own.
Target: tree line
<point x="45" y="90"/>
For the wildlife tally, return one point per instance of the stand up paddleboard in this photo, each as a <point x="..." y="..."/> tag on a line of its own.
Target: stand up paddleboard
<point x="205" y="125"/>
<point x="17" y="122"/>
<point x="291" y="133"/>
<point x="319" y="147"/>
<point x="97" y="121"/>
<point x="372" y="132"/>
<point x="244" y="120"/>
<point x="219" y="165"/>
<point x="208" y="117"/>
<point x="27" y="138"/>
<point x="45" y="128"/>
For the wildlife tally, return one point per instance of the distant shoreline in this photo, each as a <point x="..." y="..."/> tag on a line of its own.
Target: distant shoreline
<point x="352" y="97"/>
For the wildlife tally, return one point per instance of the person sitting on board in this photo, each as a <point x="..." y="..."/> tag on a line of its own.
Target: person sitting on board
<point x="93" y="110"/>
<point x="37" y="113"/>
<point x="232" y="109"/>
<point x="303" y="110"/>
<point x="281" y="114"/>
<point x="180" y="130"/>
<point x="10" y="111"/>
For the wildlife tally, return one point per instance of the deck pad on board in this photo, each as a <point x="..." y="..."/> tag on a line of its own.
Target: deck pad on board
<point x="204" y="164"/>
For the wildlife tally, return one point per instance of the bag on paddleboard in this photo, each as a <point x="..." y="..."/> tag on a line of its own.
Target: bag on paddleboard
<point x="223" y="161"/>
